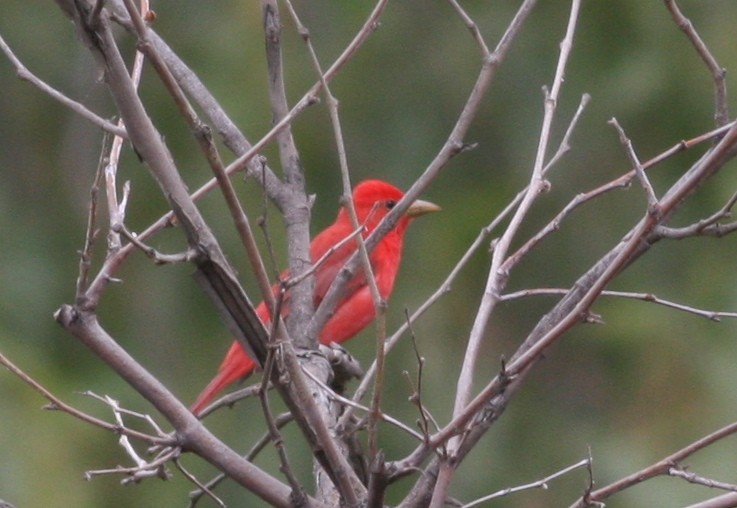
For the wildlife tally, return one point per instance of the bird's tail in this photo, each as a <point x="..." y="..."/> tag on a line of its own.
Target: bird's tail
<point x="235" y="366"/>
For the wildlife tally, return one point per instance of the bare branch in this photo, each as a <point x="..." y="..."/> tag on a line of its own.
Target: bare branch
<point x="691" y="477"/>
<point x="497" y="278"/>
<point x="708" y="226"/>
<point x="718" y="73"/>
<point x="78" y="108"/>
<point x="348" y="402"/>
<point x="158" y="257"/>
<point x="143" y="468"/>
<point x="85" y="257"/>
<point x="646" y="297"/>
<point x="190" y="434"/>
<point x="724" y="501"/>
<point x="662" y="467"/>
<point x="295" y="208"/>
<point x="652" y="199"/>
<point x="472" y="27"/>
<point x="565" y="143"/>
<point x="58" y="404"/>
<point x="538" y="484"/>
<point x="379" y="303"/>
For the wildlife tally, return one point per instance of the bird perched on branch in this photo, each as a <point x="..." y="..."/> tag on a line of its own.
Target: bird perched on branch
<point x="373" y="199"/>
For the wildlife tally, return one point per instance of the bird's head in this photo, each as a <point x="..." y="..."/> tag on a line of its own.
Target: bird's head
<point x="374" y="199"/>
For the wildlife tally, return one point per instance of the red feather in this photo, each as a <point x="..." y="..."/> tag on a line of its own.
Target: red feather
<point x="373" y="199"/>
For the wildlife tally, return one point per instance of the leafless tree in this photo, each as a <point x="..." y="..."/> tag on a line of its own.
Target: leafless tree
<point x="330" y="422"/>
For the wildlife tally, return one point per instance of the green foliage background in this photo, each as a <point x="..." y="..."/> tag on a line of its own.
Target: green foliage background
<point x="631" y="391"/>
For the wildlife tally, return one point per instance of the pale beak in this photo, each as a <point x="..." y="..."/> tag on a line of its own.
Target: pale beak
<point x="421" y="207"/>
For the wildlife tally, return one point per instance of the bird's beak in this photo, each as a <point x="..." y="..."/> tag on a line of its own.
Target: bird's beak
<point x="421" y="207"/>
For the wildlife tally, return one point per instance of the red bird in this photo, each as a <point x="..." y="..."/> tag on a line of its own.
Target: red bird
<point x="373" y="199"/>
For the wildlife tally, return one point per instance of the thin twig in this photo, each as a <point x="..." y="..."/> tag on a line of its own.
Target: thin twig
<point x="139" y="472"/>
<point x="538" y="484"/>
<point x="76" y="107"/>
<point x="201" y="486"/>
<point x="57" y="404"/>
<point x="472" y="27"/>
<point x="646" y="297"/>
<point x="416" y="397"/>
<point x="231" y="399"/>
<point x="691" y="477"/>
<point x="652" y="199"/>
<point x="119" y="410"/>
<point x="280" y="421"/>
<point x="158" y="257"/>
<point x="718" y="73"/>
<point x="565" y="143"/>
<point x="497" y="278"/>
<point x="662" y="467"/>
<point x="355" y="405"/>
<point x="85" y="257"/>
<point x="291" y="281"/>
<point x="707" y="226"/>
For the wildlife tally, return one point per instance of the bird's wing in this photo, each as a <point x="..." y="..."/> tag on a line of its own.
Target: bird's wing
<point x="351" y="316"/>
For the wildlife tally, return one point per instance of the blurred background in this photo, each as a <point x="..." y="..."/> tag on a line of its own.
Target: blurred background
<point x="644" y="384"/>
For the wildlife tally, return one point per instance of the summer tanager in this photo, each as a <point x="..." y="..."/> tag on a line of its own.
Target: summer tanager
<point x="372" y="199"/>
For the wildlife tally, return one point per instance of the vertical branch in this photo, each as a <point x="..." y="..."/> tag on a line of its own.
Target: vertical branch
<point x="296" y="218"/>
<point x="297" y="210"/>
<point x="379" y="303"/>
<point x="497" y="278"/>
<point x="85" y="257"/>
<point x="116" y="209"/>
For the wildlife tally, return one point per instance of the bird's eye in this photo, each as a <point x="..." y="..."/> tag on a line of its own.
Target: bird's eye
<point x="390" y="204"/>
